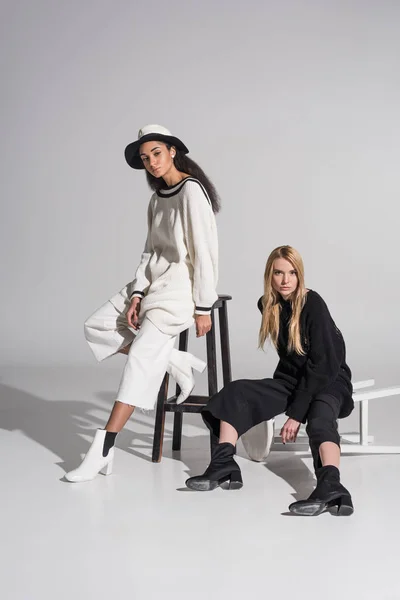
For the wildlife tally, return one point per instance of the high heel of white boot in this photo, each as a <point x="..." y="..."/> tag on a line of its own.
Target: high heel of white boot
<point x="107" y="470"/>
<point x="94" y="461"/>
<point x="181" y="367"/>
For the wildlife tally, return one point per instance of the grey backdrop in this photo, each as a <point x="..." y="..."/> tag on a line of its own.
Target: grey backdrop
<point x="291" y="107"/>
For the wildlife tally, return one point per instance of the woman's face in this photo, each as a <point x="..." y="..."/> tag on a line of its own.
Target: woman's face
<point x="156" y="157"/>
<point x="284" y="277"/>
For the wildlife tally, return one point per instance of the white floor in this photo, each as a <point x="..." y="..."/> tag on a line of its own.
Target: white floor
<point x="140" y="534"/>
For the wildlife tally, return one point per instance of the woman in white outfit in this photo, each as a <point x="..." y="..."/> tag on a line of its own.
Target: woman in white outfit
<point x="174" y="286"/>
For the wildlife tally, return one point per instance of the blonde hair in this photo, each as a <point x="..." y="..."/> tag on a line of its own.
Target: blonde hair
<point x="271" y="305"/>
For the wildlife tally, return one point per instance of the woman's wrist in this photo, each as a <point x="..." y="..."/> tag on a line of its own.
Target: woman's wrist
<point x="136" y="294"/>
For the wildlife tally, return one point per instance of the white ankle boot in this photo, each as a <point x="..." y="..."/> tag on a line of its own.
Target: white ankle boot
<point x="180" y="368"/>
<point x="95" y="461"/>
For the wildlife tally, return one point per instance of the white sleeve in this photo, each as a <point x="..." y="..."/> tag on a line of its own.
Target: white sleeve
<point x="141" y="282"/>
<point x="202" y="242"/>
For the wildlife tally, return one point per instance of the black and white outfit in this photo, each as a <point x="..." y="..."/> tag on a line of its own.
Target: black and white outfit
<point x="315" y="388"/>
<point x="176" y="279"/>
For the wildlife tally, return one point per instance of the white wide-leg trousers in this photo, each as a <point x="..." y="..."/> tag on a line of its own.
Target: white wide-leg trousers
<point x="107" y="332"/>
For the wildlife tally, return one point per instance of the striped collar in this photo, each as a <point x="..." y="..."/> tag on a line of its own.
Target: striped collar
<point x="175" y="189"/>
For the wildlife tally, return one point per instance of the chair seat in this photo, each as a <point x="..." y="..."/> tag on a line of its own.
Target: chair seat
<point x="260" y="440"/>
<point x="221" y="299"/>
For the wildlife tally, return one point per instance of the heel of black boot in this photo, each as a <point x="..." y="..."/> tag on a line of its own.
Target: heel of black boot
<point x="233" y="480"/>
<point x="344" y="506"/>
<point x="236" y="481"/>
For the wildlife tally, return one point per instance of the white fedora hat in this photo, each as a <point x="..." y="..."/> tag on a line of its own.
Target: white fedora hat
<point x="147" y="134"/>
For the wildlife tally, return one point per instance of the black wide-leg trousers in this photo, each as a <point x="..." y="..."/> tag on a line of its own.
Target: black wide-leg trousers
<point x="246" y="403"/>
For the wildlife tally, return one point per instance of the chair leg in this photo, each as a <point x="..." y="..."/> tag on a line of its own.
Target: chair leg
<point x="212" y="369"/>
<point x="178" y="416"/>
<point x="159" y="421"/>
<point x="177" y="434"/>
<point x="225" y="346"/>
<point x="212" y="360"/>
<point x="364" y="422"/>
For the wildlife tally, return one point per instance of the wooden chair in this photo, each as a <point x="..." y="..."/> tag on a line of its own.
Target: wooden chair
<point x="194" y="404"/>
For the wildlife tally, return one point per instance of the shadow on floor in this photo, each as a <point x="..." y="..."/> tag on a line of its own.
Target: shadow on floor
<point x="56" y="425"/>
<point x="294" y="471"/>
<point x="59" y="426"/>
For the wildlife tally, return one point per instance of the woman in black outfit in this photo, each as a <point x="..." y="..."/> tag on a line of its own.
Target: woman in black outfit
<point x="311" y="384"/>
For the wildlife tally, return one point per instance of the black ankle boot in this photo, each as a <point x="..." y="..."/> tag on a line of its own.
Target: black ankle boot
<point x="222" y="468"/>
<point x="329" y="493"/>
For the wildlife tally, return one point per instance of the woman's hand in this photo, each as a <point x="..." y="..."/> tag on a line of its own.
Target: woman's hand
<point x="132" y="315"/>
<point x="290" y="430"/>
<point x="203" y="324"/>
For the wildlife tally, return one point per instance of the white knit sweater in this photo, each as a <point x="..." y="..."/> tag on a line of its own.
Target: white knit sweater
<point x="178" y="271"/>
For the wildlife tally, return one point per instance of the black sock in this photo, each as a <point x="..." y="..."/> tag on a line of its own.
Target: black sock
<point x="109" y="441"/>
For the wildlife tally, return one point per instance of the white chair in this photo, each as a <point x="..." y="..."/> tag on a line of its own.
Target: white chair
<point x="261" y="439"/>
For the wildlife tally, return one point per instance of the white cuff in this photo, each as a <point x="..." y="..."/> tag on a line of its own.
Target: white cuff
<point x="136" y="294"/>
<point x="202" y="310"/>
